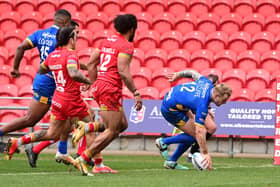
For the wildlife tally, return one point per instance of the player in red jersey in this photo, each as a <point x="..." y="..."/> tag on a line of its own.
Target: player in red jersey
<point x="113" y="56"/>
<point x="67" y="101"/>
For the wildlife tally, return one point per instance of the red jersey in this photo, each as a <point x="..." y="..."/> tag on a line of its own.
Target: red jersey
<point x="109" y="51"/>
<point x="57" y="62"/>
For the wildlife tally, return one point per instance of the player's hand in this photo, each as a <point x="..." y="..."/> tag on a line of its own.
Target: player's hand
<point x="84" y="87"/>
<point x="15" y="73"/>
<point x="211" y="114"/>
<point x="138" y="103"/>
<point x="207" y="161"/>
<point x="171" y="77"/>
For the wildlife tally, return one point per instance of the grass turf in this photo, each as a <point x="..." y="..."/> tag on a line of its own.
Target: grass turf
<point x="146" y="171"/>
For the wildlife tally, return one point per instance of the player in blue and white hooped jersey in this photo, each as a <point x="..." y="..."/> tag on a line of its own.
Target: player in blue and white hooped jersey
<point x="184" y="100"/>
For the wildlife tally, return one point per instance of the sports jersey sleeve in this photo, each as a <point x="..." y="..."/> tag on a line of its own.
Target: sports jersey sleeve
<point x="126" y="49"/>
<point x="72" y="61"/>
<point x="32" y="39"/>
<point x="201" y="114"/>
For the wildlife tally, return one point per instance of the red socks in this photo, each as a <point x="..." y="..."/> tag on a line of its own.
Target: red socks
<point x="42" y="145"/>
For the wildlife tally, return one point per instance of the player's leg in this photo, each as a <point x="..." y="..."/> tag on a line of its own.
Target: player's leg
<point x="35" y="113"/>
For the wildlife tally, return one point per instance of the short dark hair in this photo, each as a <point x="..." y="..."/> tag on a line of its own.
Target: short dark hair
<point x="62" y="12"/>
<point x="214" y="78"/>
<point x="74" y="23"/>
<point x="123" y="23"/>
<point x="63" y="35"/>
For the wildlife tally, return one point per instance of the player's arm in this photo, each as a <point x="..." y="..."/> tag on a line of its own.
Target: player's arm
<point x="43" y="69"/>
<point x="124" y="60"/>
<point x="25" y="45"/>
<point x="183" y="74"/>
<point x="73" y="71"/>
<point x="92" y="65"/>
<point x="83" y="66"/>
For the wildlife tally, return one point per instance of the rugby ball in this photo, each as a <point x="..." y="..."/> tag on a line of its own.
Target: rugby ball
<point x="197" y="159"/>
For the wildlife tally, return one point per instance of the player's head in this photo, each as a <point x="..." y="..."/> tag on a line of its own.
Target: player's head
<point x="126" y="24"/>
<point x="66" y="37"/>
<point x="75" y="25"/>
<point x="62" y="18"/>
<point x="214" y="78"/>
<point x="221" y="94"/>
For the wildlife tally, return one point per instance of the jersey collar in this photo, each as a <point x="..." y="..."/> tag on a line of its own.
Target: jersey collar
<point x="55" y="26"/>
<point x="120" y="35"/>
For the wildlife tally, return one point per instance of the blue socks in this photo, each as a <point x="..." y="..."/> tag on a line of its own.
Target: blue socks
<point x="182" y="147"/>
<point x="180" y="138"/>
<point x="1" y="133"/>
<point x="62" y="147"/>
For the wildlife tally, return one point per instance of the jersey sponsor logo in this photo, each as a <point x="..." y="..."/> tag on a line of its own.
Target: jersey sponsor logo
<point x="44" y="100"/>
<point x="48" y="35"/>
<point x="137" y="116"/>
<point x="55" y="55"/>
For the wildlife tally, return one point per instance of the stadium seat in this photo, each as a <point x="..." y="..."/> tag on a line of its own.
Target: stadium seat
<point x="7" y="5"/>
<point x="25" y="91"/>
<point x="4" y="55"/>
<point x="34" y="59"/>
<point x="84" y="54"/>
<point x="185" y="23"/>
<point x="31" y="21"/>
<point x="171" y="40"/>
<point x="266" y="95"/>
<point x="270" y="61"/>
<point x="243" y="94"/>
<point x="257" y="79"/>
<point x="84" y="39"/>
<point x="245" y="7"/>
<point x="9" y="21"/>
<point x="193" y="41"/>
<point x="24" y="61"/>
<point x="272" y="24"/>
<point x="47" y="21"/>
<point x="5" y="74"/>
<point x="178" y="59"/>
<point x="222" y="7"/>
<point x="137" y="60"/>
<point x="277" y="42"/>
<point x="27" y="74"/>
<point x="239" y="41"/>
<point x="142" y="78"/>
<point x="224" y="60"/>
<point x="71" y="5"/>
<point x="230" y="23"/>
<point x="208" y="23"/>
<point x="46" y="7"/>
<point x="145" y="21"/>
<point x="263" y="42"/>
<point x="163" y="93"/>
<point x="159" y="79"/>
<point x="201" y="59"/>
<point x="148" y="40"/>
<point x="126" y="93"/>
<point x="111" y="7"/>
<point x="9" y="115"/>
<point x="97" y="22"/>
<point x="248" y="60"/>
<point x="24" y="6"/>
<point x="214" y="71"/>
<point x="155" y="59"/>
<point x="177" y="7"/>
<point x="267" y="7"/>
<point x="181" y="81"/>
<point x="134" y="6"/>
<point x="1" y="37"/>
<point x="216" y="41"/>
<point x="13" y="38"/>
<point x="199" y="7"/>
<point x="273" y="81"/>
<point x="235" y="78"/>
<point x="100" y="36"/>
<point x="8" y="90"/>
<point x="80" y="18"/>
<point x="163" y="22"/>
<point x="149" y="93"/>
<point x="156" y="7"/>
<point x="253" y="23"/>
<point x="89" y="7"/>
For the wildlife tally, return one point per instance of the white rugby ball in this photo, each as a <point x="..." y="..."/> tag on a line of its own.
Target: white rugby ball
<point x="197" y="159"/>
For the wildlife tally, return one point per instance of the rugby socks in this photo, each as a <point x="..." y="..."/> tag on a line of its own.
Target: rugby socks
<point x="93" y="127"/>
<point x="62" y="147"/>
<point x="82" y="145"/>
<point x="208" y="135"/>
<point x="26" y="139"/>
<point x="1" y="133"/>
<point x="86" y="155"/>
<point x="98" y="160"/>
<point x="181" y="148"/>
<point x="180" y="138"/>
<point x="42" y="145"/>
<point x="195" y="146"/>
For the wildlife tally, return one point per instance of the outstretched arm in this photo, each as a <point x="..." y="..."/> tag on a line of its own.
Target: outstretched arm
<point x="183" y="74"/>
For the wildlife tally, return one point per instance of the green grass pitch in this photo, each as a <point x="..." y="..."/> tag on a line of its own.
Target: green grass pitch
<point x="144" y="171"/>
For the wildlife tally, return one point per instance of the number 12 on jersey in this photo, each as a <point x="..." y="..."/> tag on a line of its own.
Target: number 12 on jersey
<point x="104" y="60"/>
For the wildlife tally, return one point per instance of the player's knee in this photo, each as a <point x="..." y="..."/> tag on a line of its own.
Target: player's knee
<point x="212" y="129"/>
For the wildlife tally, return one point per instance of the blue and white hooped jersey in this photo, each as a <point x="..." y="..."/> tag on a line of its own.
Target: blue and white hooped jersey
<point x="194" y="96"/>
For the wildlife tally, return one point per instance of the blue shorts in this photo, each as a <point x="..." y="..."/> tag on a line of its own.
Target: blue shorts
<point x="176" y="118"/>
<point x="43" y="88"/>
